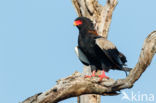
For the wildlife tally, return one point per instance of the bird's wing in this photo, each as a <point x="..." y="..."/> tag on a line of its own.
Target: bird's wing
<point x="110" y="51"/>
<point x="105" y="44"/>
<point x="81" y="56"/>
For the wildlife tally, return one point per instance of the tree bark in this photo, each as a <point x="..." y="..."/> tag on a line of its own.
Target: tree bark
<point x="101" y="16"/>
<point x="89" y="98"/>
<point x="76" y="84"/>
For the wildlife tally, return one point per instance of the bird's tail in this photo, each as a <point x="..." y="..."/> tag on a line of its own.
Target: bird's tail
<point x="126" y="69"/>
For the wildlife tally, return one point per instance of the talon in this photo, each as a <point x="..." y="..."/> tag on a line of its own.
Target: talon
<point x="89" y="76"/>
<point x="103" y="75"/>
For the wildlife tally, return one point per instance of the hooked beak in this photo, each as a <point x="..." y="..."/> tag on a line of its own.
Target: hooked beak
<point x="74" y="24"/>
<point x="77" y="22"/>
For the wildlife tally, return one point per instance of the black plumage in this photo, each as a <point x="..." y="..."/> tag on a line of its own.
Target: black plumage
<point x="96" y="51"/>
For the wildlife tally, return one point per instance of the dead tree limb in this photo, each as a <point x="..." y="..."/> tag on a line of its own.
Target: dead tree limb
<point x="76" y="84"/>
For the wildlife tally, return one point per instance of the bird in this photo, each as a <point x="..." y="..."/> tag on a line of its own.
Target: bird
<point x="96" y="51"/>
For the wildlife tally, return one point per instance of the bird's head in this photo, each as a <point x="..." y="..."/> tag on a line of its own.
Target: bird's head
<point x="83" y="23"/>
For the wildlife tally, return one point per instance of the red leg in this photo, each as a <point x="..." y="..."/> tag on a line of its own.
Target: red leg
<point x="89" y="76"/>
<point x="103" y="75"/>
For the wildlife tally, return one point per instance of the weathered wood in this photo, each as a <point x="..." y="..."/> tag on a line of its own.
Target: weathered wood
<point x="76" y="84"/>
<point x="89" y="98"/>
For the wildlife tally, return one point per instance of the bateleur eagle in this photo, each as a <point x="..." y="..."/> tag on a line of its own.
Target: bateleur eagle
<point x="95" y="51"/>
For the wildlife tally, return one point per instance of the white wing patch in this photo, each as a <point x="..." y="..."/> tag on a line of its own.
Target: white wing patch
<point x="81" y="55"/>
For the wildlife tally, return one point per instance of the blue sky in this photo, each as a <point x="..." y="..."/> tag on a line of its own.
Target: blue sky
<point x="37" y="40"/>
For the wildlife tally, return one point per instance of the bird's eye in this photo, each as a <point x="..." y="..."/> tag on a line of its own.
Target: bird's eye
<point x="77" y="22"/>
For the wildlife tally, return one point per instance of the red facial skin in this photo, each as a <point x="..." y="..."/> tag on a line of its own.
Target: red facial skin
<point x="77" y="22"/>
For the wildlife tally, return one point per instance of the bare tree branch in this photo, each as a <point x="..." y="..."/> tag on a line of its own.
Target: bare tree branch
<point x="76" y="84"/>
